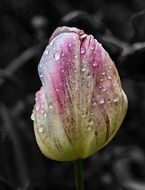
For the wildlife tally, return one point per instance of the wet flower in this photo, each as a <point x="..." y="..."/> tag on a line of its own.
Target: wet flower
<point x="81" y="104"/>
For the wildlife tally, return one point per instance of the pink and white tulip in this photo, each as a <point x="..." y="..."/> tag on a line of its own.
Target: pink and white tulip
<point x="81" y="104"/>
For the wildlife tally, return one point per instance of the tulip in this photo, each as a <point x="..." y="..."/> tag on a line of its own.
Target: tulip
<point x="81" y="103"/>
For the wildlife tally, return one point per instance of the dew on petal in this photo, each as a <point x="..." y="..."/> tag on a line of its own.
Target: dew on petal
<point x="83" y="79"/>
<point x="83" y="69"/>
<point x="89" y="129"/>
<point x="100" y="99"/>
<point x="82" y="50"/>
<point x="109" y="77"/>
<point x="46" y="52"/>
<point x="51" y="43"/>
<point x="57" y="55"/>
<point x="101" y="80"/>
<point x="37" y="107"/>
<point x="40" y="129"/>
<point x="109" y="101"/>
<point x="103" y="73"/>
<point x="91" y="122"/>
<point x="94" y="103"/>
<point x="95" y="64"/>
<point x="116" y="99"/>
<point x="104" y="89"/>
<point x="45" y="115"/>
<point x="92" y="114"/>
<point x="83" y="115"/>
<point x="63" y="54"/>
<point x="50" y="105"/>
<point x="41" y="76"/>
<point x="32" y="116"/>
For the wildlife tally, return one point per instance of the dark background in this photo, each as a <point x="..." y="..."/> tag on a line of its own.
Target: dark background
<point x="25" y="27"/>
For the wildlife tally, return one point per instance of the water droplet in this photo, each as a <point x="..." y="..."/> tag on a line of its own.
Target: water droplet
<point x="100" y="99"/>
<point x="50" y="105"/>
<point x="38" y="120"/>
<point x="76" y="56"/>
<point x="95" y="64"/>
<point x="32" y="116"/>
<point x="40" y="65"/>
<point x="101" y="80"/>
<point x="109" y="77"/>
<point x="70" y="45"/>
<point x="46" y="52"/>
<point x="40" y="129"/>
<point x="57" y="90"/>
<point x="109" y="67"/>
<point x="103" y="73"/>
<point x="94" y="103"/>
<point x="109" y="101"/>
<point x="62" y="70"/>
<point x="75" y="71"/>
<point x="92" y="114"/>
<point x="83" y="115"/>
<point x="41" y="76"/>
<point x="100" y="87"/>
<point x="104" y="89"/>
<point x="116" y="99"/>
<point x="42" y="111"/>
<point x="89" y="75"/>
<point x="92" y="48"/>
<point x="57" y="55"/>
<point x="45" y="114"/>
<point x="82" y="50"/>
<point x="63" y="54"/>
<point x="88" y="128"/>
<point x="91" y="122"/>
<point x="37" y="107"/>
<point x="83" y="69"/>
<point x="51" y="43"/>
<point x="83" y="79"/>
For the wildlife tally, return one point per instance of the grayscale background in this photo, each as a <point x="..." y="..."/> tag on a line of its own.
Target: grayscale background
<point x="25" y="27"/>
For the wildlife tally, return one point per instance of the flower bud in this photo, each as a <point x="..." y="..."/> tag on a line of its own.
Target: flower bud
<point x="81" y="104"/>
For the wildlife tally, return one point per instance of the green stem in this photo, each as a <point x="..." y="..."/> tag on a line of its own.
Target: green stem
<point x="79" y="178"/>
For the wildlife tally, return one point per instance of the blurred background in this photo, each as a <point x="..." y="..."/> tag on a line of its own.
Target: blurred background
<point x="25" y="27"/>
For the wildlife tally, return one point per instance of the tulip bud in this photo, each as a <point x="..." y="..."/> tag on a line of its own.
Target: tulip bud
<point x="81" y="104"/>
